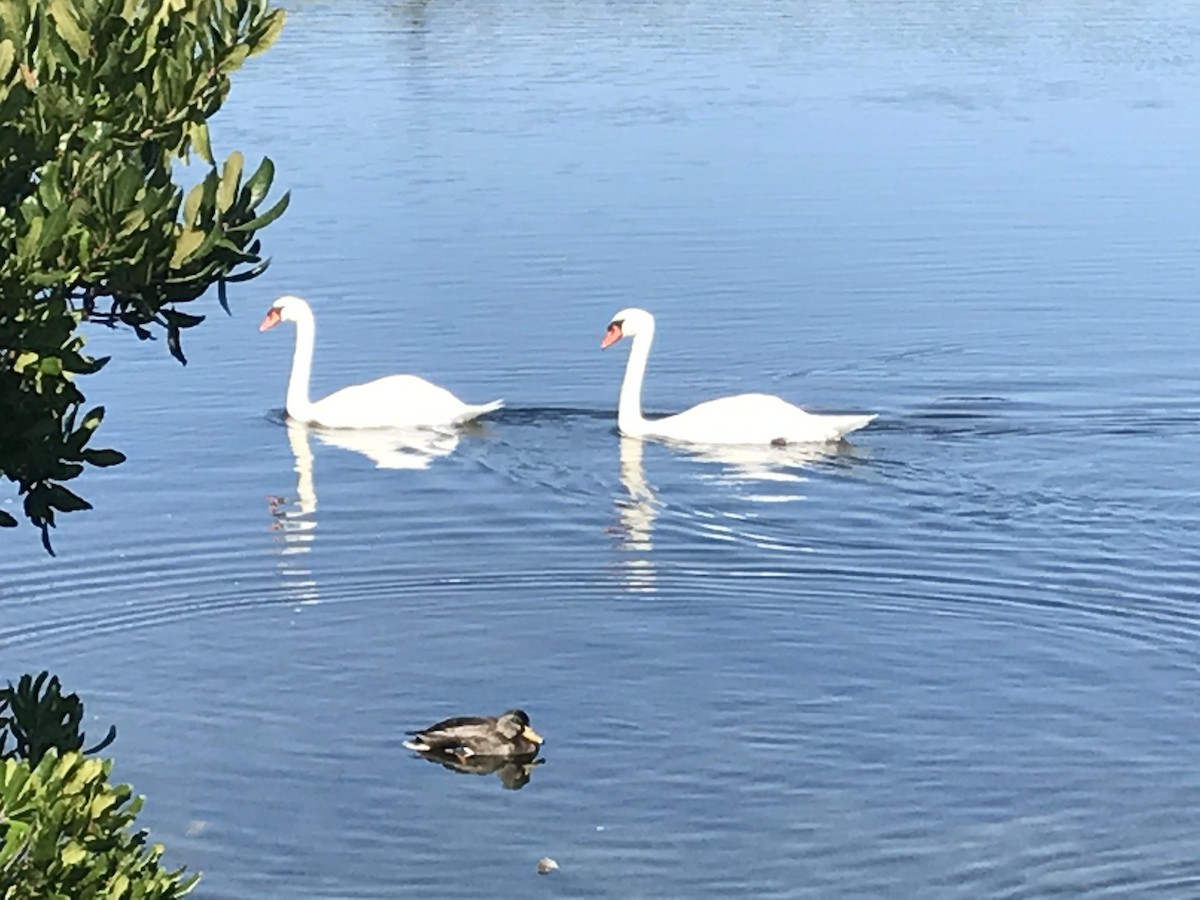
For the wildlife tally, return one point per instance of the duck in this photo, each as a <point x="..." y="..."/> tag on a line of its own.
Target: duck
<point x="508" y="735"/>
<point x="395" y="401"/>
<point x="749" y="419"/>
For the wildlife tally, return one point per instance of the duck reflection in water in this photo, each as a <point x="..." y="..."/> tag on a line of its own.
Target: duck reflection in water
<point x="481" y="745"/>
<point x="513" y="774"/>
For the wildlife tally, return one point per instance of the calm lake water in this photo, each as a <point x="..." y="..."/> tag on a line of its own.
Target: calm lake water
<point x="959" y="659"/>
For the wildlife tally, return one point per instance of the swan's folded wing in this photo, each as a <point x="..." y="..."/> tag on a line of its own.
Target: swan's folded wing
<point x="397" y="401"/>
<point x="753" y="419"/>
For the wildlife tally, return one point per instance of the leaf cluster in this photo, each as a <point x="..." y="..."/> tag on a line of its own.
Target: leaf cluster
<point x="99" y="100"/>
<point x="40" y="718"/>
<point x="66" y="834"/>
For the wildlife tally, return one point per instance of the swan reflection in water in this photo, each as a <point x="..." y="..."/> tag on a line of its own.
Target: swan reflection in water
<point x="763" y="466"/>
<point x="770" y="471"/>
<point x="635" y="519"/>
<point x="513" y="774"/>
<point x="391" y="448"/>
<point x="296" y="521"/>
<point x="388" y="448"/>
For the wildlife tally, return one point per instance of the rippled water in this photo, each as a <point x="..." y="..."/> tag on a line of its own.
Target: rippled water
<point x="956" y="659"/>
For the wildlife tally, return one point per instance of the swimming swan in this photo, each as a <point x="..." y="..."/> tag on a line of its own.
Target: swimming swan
<point x="396" y="401"/>
<point x="740" y="419"/>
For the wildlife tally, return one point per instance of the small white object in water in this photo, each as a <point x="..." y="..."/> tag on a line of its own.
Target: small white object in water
<point x="546" y="865"/>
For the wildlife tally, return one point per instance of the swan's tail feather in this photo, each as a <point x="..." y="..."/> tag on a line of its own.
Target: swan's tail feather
<point x="474" y="412"/>
<point x="843" y="425"/>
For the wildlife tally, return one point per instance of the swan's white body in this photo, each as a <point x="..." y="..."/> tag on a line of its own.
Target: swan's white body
<point x="397" y="401"/>
<point x="740" y="419"/>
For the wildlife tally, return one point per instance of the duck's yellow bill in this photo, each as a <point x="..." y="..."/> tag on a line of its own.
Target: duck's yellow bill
<point x="531" y="735"/>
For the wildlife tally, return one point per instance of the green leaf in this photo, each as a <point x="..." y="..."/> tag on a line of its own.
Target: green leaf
<point x="259" y="183"/>
<point x="173" y="343"/>
<point x="198" y="133"/>
<point x="182" y="319"/>
<point x="65" y="500"/>
<point x="233" y="254"/>
<point x="266" y="218"/>
<point x="248" y="274"/>
<point x="93" y="418"/>
<point x="64" y="22"/>
<point x="103" y="458"/>
<point x="265" y="38"/>
<point x="45" y="523"/>
<point x="185" y="245"/>
<point x="99" y="804"/>
<point x="126" y="184"/>
<point x="231" y="175"/>
<point x="13" y="838"/>
<point x="29" y="243"/>
<point x="54" y="226"/>
<point x="233" y="59"/>
<point x="6" y="520"/>
<point x="191" y="206"/>
<point x="134" y="219"/>
<point x="73" y="853"/>
<point x="24" y="360"/>
<point x="65" y="471"/>
<point x="8" y="55"/>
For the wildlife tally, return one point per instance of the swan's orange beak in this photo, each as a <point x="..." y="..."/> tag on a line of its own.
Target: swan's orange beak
<point x="612" y="335"/>
<point x="270" y="320"/>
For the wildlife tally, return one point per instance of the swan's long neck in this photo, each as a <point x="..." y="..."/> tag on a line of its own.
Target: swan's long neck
<point x="629" y="403"/>
<point x="297" y="402"/>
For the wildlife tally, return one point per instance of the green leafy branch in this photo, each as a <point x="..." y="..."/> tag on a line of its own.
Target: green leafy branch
<point x="98" y="100"/>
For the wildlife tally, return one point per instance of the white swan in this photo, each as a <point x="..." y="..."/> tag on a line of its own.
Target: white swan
<point x="397" y="401"/>
<point x="740" y="419"/>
